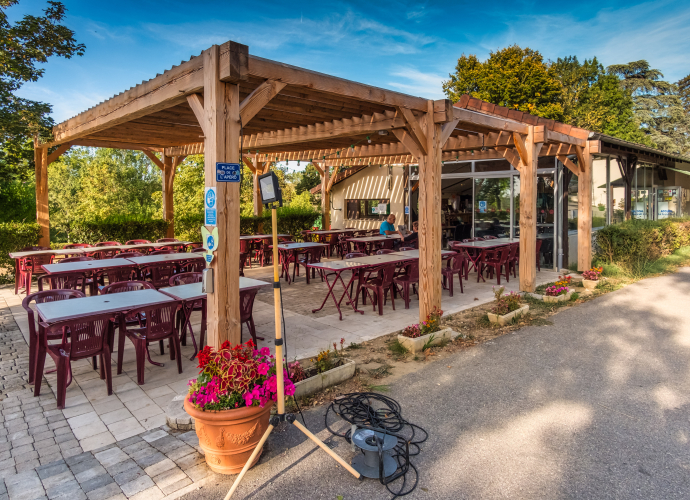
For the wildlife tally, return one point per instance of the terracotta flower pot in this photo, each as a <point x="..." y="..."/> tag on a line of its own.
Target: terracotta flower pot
<point x="228" y="437"/>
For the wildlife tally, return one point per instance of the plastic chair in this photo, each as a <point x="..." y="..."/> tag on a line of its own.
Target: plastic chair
<point x="40" y="298"/>
<point x="30" y="266"/>
<point x="162" y="252"/>
<point x="405" y="249"/>
<point x="387" y="244"/>
<point x="159" y="274"/>
<point x="63" y="281"/>
<point x="456" y="266"/>
<point x="114" y="275"/>
<point x="192" y="266"/>
<point x="129" y="286"/>
<point x="332" y="241"/>
<point x="513" y="257"/>
<point x="167" y="240"/>
<point x="190" y="247"/>
<point x="496" y="262"/>
<point x="74" y="259"/>
<point x="409" y="279"/>
<point x="490" y="237"/>
<point x="88" y="337"/>
<point x="199" y="305"/>
<point x="125" y="255"/>
<point x="384" y="251"/>
<point x="77" y="245"/>
<point x="160" y="325"/>
<point x="185" y="279"/>
<point x="106" y="254"/>
<point x="309" y="256"/>
<point x="380" y="286"/>
<point x="199" y="250"/>
<point x="137" y="242"/>
<point x="246" y="312"/>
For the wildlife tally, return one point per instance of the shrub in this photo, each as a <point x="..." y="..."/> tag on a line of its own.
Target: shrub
<point x="505" y="304"/>
<point x="13" y="237"/>
<point x="117" y="228"/>
<point x="634" y="244"/>
<point x="189" y="228"/>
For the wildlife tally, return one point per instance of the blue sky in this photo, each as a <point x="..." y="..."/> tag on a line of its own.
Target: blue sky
<point x="405" y="46"/>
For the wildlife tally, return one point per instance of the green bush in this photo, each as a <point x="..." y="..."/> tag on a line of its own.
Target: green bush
<point x="291" y="220"/>
<point x="117" y="228"/>
<point x="635" y="244"/>
<point x="13" y="237"/>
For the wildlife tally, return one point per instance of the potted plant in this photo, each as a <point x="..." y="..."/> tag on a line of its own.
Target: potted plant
<point x="506" y="307"/>
<point x="557" y="293"/>
<point x="427" y="333"/>
<point x="231" y="401"/>
<point x="591" y="278"/>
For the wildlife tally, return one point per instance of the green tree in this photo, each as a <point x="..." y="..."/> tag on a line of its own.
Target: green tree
<point x="18" y="201"/>
<point x="24" y="47"/>
<point x="593" y="100"/>
<point x="309" y="179"/>
<point x="684" y="92"/>
<point x="657" y="105"/>
<point x="512" y="77"/>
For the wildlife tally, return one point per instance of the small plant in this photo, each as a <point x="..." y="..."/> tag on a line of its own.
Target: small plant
<point x="593" y="274"/>
<point x="563" y="281"/>
<point x="335" y="347"/>
<point x="505" y="304"/>
<point x="397" y="348"/>
<point x="323" y="361"/>
<point x="296" y="372"/>
<point x="429" y="342"/>
<point x="431" y="325"/>
<point x="355" y="345"/>
<point x="574" y="296"/>
<point x="555" y="291"/>
<point x="411" y="331"/>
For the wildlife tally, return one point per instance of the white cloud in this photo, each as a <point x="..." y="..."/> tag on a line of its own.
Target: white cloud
<point x="421" y="83"/>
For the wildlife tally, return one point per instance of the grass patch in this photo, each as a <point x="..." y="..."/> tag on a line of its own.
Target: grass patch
<point x="539" y="322"/>
<point x="483" y="321"/>
<point x="355" y="345"/>
<point x="380" y="372"/>
<point x="378" y="388"/>
<point x="397" y="348"/>
<point x="429" y="341"/>
<point x="574" y="297"/>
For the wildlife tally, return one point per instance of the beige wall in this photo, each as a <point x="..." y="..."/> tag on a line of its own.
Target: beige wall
<point x="370" y="183"/>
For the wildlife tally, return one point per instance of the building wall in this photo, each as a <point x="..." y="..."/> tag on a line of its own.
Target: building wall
<point x="370" y="183"/>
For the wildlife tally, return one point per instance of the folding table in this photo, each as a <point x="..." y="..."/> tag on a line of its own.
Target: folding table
<point x="369" y="240"/>
<point x="293" y="249"/>
<point x="481" y="247"/>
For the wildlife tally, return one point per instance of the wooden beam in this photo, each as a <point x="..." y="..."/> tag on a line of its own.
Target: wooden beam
<point x="42" y="212"/>
<point x="196" y="102"/>
<point x="584" y="210"/>
<point x="261" y="96"/>
<point x="319" y="169"/>
<point x="430" y="218"/>
<point x="222" y="115"/>
<point x="468" y="118"/>
<point x="327" y="180"/>
<point x="446" y="130"/>
<point x="177" y="161"/>
<point x="568" y="163"/>
<point x="250" y="165"/>
<point x="258" y="206"/>
<point x="512" y="157"/>
<point x="161" y="92"/>
<point x="154" y="159"/>
<point x="234" y="62"/>
<point x="415" y="129"/>
<point x="62" y="149"/>
<point x="97" y="143"/>
<point x="580" y="158"/>
<point x="330" y="182"/>
<point x="443" y="111"/>
<point x="299" y="77"/>
<point x="559" y="138"/>
<point x="168" y="178"/>
<point x="406" y="139"/>
<point x="521" y="148"/>
<point x="528" y="215"/>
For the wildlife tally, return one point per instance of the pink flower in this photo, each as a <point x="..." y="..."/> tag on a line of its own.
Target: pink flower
<point x="263" y="368"/>
<point x="265" y="351"/>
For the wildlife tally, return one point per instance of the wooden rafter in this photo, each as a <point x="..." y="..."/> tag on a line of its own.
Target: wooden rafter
<point x="61" y="149"/>
<point x="196" y="102"/>
<point x="512" y="157"/>
<point x="568" y="163"/>
<point x="414" y="129"/>
<point x="470" y="120"/>
<point x="261" y="96"/>
<point x="405" y="138"/>
<point x="250" y="164"/>
<point x="153" y="158"/>
<point x="177" y="161"/>
<point x="580" y="158"/>
<point x="520" y="146"/>
<point x="97" y="143"/>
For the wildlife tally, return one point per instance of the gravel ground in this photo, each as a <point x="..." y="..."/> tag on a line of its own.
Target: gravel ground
<point x="593" y="406"/>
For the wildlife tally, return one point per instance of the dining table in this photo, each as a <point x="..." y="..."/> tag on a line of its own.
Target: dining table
<point x="477" y="250"/>
<point x="289" y="252"/>
<point x="84" y="251"/>
<point x="369" y="241"/>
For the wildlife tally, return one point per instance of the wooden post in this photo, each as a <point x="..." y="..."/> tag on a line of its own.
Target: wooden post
<point x="584" y="212"/>
<point x="325" y="198"/>
<point x="259" y="170"/>
<point x="168" y="175"/>
<point x="42" y="214"/>
<point x="528" y="212"/>
<point x="430" y="217"/>
<point x="221" y="144"/>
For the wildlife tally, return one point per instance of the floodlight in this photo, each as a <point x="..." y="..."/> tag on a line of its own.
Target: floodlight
<point x="270" y="189"/>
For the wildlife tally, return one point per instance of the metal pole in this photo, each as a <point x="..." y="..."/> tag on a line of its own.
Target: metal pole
<point x="609" y="209"/>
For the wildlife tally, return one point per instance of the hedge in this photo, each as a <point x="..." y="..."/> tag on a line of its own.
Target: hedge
<point x="13" y="237"/>
<point x="635" y="243"/>
<point x="291" y="220"/>
<point x="117" y="228"/>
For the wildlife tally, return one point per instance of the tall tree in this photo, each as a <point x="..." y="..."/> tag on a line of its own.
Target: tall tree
<point x="684" y="92"/>
<point x="512" y="77"/>
<point x="657" y="105"/>
<point x="309" y="179"/>
<point x="23" y="46"/>
<point x="592" y="99"/>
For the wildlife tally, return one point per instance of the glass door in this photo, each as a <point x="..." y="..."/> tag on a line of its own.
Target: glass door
<point x="667" y="202"/>
<point x="492" y="207"/>
<point x="546" y="217"/>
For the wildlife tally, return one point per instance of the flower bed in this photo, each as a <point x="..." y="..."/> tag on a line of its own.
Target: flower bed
<point x="591" y="278"/>
<point x="506" y="307"/>
<point x="425" y="334"/>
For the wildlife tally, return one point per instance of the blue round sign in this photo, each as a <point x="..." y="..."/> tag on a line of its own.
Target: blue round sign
<point x="210" y="243"/>
<point x="210" y="198"/>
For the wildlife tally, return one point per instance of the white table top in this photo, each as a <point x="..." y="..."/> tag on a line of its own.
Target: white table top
<point x="100" y="304"/>
<point x="192" y="291"/>
<point x="85" y="266"/>
<point x="262" y="236"/>
<point x="414" y="254"/>
<point x="80" y="251"/>
<point x="164" y="257"/>
<point x="333" y="231"/>
<point x="371" y="260"/>
<point x="498" y="242"/>
<point x="295" y="246"/>
<point x="380" y="237"/>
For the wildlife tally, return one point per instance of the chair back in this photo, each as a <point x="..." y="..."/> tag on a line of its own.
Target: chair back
<point x="74" y="259"/>
<point x="117" y="274"/>
<point x="354" y="255"/>
<point x="512" y="254"/>
<point x="285" y="239"/>
<point x="502" y="254"/>
<point x="124" y="255"/>
<point x="159" y="274"/>
<point x="160" y="319"/>
<point x="167" y="240"/>
<point x="36" y="261"/>
<point x="126" y="286"/>
<point x="360" y="246"/>
<point x="46" y="296"/>
<point x="489" y="237"/>
<point x="88" y="335"/>
<point x="383" y="251"/>
<point x="247" y="304"/>
<point x="387" y="273"/>
<point x="77" y="245"/>
<point x="193" y="265"/>
<point x="190" y="247"/>
<point x="105" y="254"/>
<point x="63" y="281"/>
<point x="199" y="250"/>
<point x="539" y="242"/>
<point x="412" y="271"/>
<point x="388" y="244"/>
<point x="137" y="242"/>
<point x="161" y="252"/>
<point x="405" y="249"/>
<point x="313" y="255"/>
<point x="332" y="238"/>
<point x="185" y="279"/>
<point x="108" y="244"/>
<point x="458" y="260"/>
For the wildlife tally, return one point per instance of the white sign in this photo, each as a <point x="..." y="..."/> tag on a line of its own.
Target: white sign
<point x="383" y="208"/>
<point x="482" y="207"/>
<point x="210" y="206"/>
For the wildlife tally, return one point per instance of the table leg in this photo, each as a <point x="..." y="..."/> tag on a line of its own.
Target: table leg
<point x="478" y="266"/>
<point x="351" y="302"/>
<point x="330" y="293"/>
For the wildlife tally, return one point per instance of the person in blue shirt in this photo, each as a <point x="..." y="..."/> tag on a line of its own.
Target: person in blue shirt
<point x="388" y="226"/>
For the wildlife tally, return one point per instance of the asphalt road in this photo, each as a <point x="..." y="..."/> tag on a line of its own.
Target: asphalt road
<point x="594" y="406"/>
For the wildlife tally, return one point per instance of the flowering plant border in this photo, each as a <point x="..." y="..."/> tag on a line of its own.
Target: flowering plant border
<point x="593" y="274"/>
<point x="555" y="291"/>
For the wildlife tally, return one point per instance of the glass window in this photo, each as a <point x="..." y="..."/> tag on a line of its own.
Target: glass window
<point x="492" y="207"/>
<point x="457" y="168"/>
<point x="368" y="209"/>
<point x="491" y="166"/>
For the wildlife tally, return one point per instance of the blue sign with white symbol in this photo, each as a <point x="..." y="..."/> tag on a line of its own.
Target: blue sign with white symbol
<point x="210" y="243"/>
<point x="227" y="172"/>
<point x="210" y="206"/>
<point x="210" y="197"/>
<point x="482" y="207"/>
<point x="209" y="257"/>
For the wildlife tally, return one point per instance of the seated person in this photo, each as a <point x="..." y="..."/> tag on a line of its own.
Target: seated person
<point x="405" y="239"/>
<point x="388" y="226"/>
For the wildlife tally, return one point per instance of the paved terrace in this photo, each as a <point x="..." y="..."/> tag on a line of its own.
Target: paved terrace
<point x="119" y="446"/>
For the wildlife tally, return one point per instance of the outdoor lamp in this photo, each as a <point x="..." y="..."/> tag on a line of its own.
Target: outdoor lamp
<point x="270" y="189"/>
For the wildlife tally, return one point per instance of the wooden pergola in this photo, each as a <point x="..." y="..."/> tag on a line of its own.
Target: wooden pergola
<point x="233" y="107"/>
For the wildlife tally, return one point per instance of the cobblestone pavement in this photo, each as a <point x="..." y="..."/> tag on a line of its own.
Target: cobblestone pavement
<point x="41" y="456"/>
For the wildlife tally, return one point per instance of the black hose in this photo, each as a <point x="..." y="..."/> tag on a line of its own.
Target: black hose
<point x="379" y="412"/>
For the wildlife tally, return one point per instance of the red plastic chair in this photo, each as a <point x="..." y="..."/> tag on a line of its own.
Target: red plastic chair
<point x="192" y="266"/>
<point x="513" y="258"/>
<point x="74" y="259"/>
<point x="384" y="251"/>
<point x="77" y="245"/>
<point x="410" y="278"/>
<point x="62" y="281"/>
<point x="456" y="265"/>
<point x="30" y="266"/>
<point x="361" y="247"/>
<point x="344" y="246"/>
<point x="246" y="312"/>
<point x="199" y="250"/>
<point x="125" y="255"/>
<point x="137" y="242"/>
<point x="185" y="279"/>
<point x="539" y="242"/>
<point x="160" y="325"/>
<point x="332" y="241"/>
<point x="167" y="240"/>
<point x="129" y="286"/>
<point x="106" y="254"/>
<point x="114" y="275"/>
<point x="496" y="262"/>
<point x="264" y="251"/>
<point x="162" y="252"/>
<point x="190" y="247"/>
<point x="199" y="305"/>
<point x="88" y="337"/>
<point x="40" y="298"/>
<point x="478" y="239"/>
<point x="405" y="249"/>
<point x="159" y="274"/>
<point x="387" y="244"/>
<point x="490" y="237"/>
<point x="380" y="286"/>
<point x="309" y="256"/>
